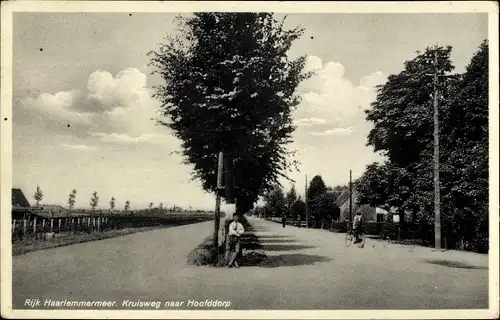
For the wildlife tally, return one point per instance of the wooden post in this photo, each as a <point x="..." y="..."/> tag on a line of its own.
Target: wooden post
<point x="350" y="196"/>
<point x="220" y="168"/>
<point x="307" y="206"/>
<point x="437" y="201"/>
<point x="43" y="225"/>
<point x="25" y="226"/>
<point x="51" y="225"/>
<point x="99" y="224"/>
<point x="59" y="225"/>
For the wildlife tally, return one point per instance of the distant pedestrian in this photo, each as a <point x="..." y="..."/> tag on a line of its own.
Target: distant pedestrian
<point x="236" y="230"/>
<point x="283" y="220"/>
<point x="298" y="221"/>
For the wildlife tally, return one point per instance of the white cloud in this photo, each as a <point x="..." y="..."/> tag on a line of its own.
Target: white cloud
<point x="122" y="107"/>
<point x="125" y="138"/>
<point x="332" y="106"/>
<point x="306" y="122"/>
<point x="58" y="106"/>
<point x="80" y="147"/>
<point x="335" y="131"/>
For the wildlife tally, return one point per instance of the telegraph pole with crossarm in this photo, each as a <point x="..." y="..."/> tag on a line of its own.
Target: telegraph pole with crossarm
<point x="437" y="197"/>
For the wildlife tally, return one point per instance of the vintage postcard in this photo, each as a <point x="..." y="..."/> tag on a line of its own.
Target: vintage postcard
<point x="248" y="160"/>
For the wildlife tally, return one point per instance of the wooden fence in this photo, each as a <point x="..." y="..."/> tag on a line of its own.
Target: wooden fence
<point x="44" y="228"/>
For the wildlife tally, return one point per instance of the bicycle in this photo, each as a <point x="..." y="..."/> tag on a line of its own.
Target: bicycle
<point x="349" y="238"/>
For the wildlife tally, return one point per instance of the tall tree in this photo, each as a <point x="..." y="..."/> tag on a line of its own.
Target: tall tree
<point x="298" y="209"/>
<point x="127" y="206"/>
<point x="150" y="206"/>
<point x="316" y="188"/>
<point x="291" y="196"/>
<point x="324" y="207"/>
<point x="402" y="116"/>
<point x="38" y="195"/>
<point x="275" y="202"/>
<point x="94" y="200"/>
<point x="71" y="199"/>
<point x="465" y="155"/>
<point x="403" y="130"/>
<point x="230" y="86"/>
<point x="112" y="203"/>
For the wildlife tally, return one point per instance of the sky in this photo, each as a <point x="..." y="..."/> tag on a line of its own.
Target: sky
<point x="82" y="100"/>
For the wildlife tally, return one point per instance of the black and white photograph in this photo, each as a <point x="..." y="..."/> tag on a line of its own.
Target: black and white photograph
<point x="249" y="160"/>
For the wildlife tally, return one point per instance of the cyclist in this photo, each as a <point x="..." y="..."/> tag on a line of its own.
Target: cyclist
<point x="357" y="225"/>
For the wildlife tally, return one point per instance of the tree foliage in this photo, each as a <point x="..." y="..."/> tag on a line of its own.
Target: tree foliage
<point x="230" y="86"/>
<point x="72" y="199"/>
<point x="127" y="206"/>
<point x="112" y="203"/>
<point x="298" y="209"/>
<point x="402" y="116"/>
<point x="38" y="195"/>
<point x="291" y="197"/>
<point x="94" y="200"/>
<point x="316" y="187"/>
<point x="324" y="207"/>
<point x="275" y="202"/>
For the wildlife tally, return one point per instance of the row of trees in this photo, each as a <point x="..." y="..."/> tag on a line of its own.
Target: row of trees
<point x="94" y="201"/>
<point x="402" y="116"/>
<point x="320" y="201"/>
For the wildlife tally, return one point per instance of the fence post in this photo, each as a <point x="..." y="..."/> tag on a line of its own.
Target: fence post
<point x="25" y="226"/>
<point x="51" y="225"/>
<point x="99" y="224"/>
<point x="73" y="227"/>
<point x="43" y="225"/>
<point x="59" y="225"/>
<point x="34" y="226"/>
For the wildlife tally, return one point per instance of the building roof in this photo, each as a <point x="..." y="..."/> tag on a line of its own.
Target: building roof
<point x="344" y="196"/>
<point x="19" y="200"/>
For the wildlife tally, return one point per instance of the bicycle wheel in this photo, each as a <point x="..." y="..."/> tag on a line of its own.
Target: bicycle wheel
<point x="348" y="239"/>
<point x="361" y="244"/>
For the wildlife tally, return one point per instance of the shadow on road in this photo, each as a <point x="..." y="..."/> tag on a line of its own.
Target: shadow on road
<point x="254" y="259"/>
<point x="285" y="247"/>
<point x="277" y="241"/>
<point x="250" y="241"/>
<point x="454" y="264"/>
<point x="273" y="237"/>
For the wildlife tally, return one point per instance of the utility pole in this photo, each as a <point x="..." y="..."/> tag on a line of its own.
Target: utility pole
<point x="220" y="187"/>
<point x="437" y="198"/>
<point x="350" y="196"/>
<point x="307" y="208"/>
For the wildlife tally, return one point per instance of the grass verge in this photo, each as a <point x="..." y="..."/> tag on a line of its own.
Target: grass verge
<point x="66" y="239"/>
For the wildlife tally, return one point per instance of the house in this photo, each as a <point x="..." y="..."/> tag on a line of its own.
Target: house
<point x="369" y="213"/>
<point x="20" y="205"/>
